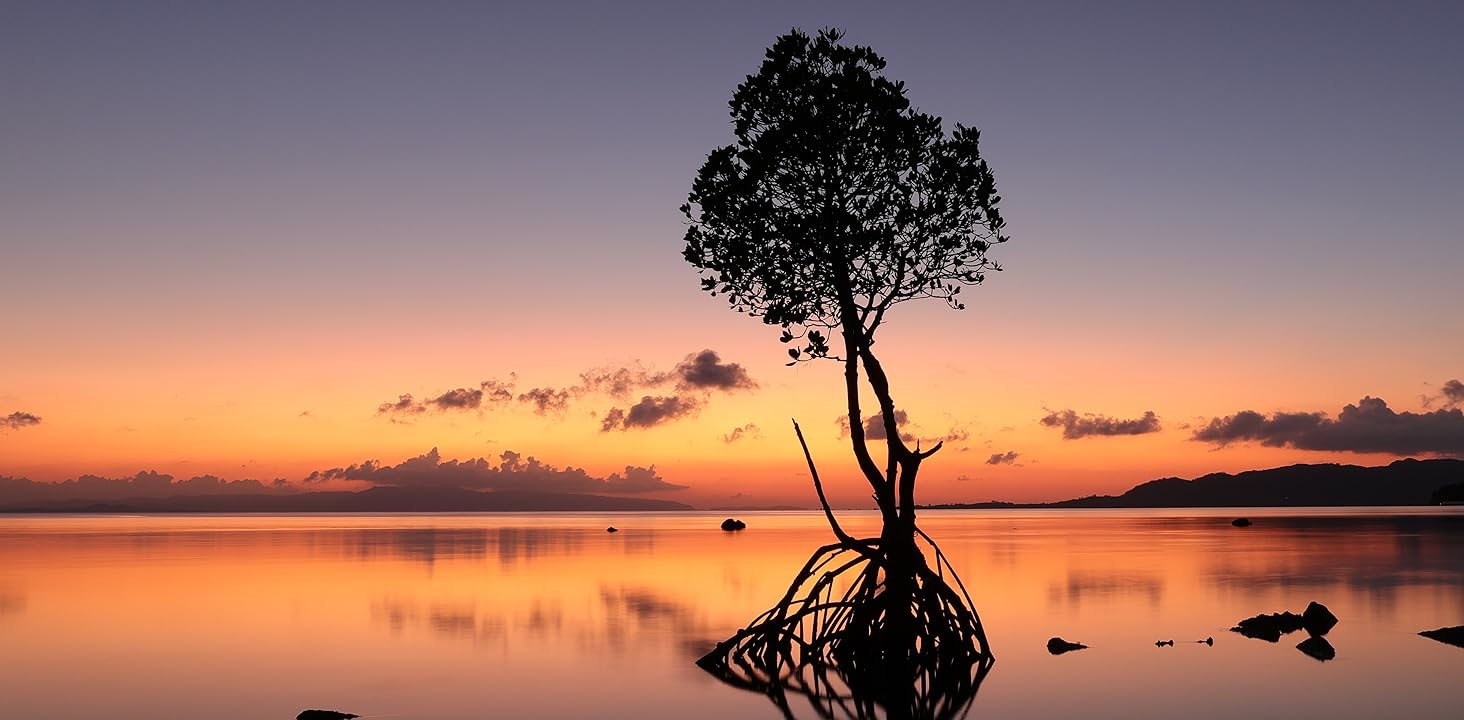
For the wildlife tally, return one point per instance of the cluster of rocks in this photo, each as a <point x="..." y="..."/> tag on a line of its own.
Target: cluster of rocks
<point x="1316" y="620"/>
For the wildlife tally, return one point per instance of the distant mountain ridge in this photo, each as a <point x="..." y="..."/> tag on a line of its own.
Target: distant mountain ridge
<point x="1404" y="482"/>
<point x="373" y="500"/>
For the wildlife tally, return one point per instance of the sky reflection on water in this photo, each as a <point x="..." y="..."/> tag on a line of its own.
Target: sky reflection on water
<point x="459" y="616"/>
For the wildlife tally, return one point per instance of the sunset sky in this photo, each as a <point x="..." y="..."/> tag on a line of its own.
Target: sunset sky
<point x="234" y="236"/>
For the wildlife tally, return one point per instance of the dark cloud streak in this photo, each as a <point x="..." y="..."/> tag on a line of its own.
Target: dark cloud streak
<point x="18" y="420"/>
<point x="1075" y="426"/>
<point x="649" y="412"/>
<point x="1007" y="458"/>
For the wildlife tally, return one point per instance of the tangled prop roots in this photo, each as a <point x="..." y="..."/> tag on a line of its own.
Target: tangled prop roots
<point x="860" y="632"/>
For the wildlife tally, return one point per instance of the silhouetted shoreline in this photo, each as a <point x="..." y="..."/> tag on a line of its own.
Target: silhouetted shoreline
<point x="1402" y="483"/>
<point x="1405" y="483"/>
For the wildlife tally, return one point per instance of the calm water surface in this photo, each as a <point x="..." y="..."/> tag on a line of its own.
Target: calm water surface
<point x="549" y="616"/>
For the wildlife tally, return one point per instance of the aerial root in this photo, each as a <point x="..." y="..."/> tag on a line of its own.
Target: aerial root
<point x="838" y="638"/>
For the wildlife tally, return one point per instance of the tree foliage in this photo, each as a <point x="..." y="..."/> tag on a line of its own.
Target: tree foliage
<point x="839" y="199"/>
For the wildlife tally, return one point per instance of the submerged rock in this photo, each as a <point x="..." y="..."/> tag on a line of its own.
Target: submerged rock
<point x="1269" y="627"/>
<point x="1449" y="635"/>
<point x="1162" y="643"/>
<point x="1317" y="646"/>
<point x="1317" y="619"/>
<point x="1058" y="646"/>
<point x="731" y="524"/>
<point x="612" y="528"/>
<point x="324" y="715"/>
<point x="1240" y="522"/>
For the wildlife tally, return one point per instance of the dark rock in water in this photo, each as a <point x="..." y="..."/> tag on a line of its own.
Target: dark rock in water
<point x="1240" y="522"/>
<point x="612" y="528"/>
<point x="1450" y="635"/>
<point x="1317" y="646"/>
<point x="324" y="715"/>
<point x="1269" y="627"/>
<point x="730" y="525"/>
<point x="1058" y="646"/>
<point x="1208" y="641"/>
<point x="1162" y="643"/>
<point x="1317" y="619"/>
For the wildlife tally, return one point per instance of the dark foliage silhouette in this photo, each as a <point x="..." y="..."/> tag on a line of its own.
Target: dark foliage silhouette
<point x="837" y="202"/>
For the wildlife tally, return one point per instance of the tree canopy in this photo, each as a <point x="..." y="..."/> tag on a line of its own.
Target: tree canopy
<point x="838" y="199"/>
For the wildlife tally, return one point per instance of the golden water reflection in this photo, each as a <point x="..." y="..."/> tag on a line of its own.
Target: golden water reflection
<point x="469" y="616"/>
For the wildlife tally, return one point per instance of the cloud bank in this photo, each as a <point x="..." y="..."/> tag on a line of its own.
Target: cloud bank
<point x="1369" y="426"/>
<point x="143" y="484"/>
<point x="513" y="472"/>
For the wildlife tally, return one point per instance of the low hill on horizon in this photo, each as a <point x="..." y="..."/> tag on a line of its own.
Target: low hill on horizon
<point x="1403" y="482"/>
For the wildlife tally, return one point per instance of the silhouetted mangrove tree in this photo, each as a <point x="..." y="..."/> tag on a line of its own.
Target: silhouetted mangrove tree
<point x="837" y="202"/>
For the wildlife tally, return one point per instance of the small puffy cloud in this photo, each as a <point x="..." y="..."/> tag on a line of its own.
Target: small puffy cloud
<point x="1369" y="426"/>
<point x="747" y="431"/>
<point x="874" y="428"/>
<point x="1452" y="393"/>
<point x="620" y="382"/>
<point x="513" y="472"/>
<point x="404" y="405"/>
<point x="458" y="399"/>
<point x="1076" y="426"/>
<point x="649" y="412"/>
<point x="546" y="400"/>
<point x="18" y="420"/>
<point x="497" y="391"/>
<point x="463" y="398"/>
<point x="706" y="371"/>
<point x="1006" y="458"/>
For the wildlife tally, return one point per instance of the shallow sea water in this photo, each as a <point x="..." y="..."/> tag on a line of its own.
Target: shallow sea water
<point x="548" y="616"/>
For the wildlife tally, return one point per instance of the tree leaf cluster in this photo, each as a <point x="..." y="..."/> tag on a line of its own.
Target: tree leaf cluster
<point x="838" y="199"/>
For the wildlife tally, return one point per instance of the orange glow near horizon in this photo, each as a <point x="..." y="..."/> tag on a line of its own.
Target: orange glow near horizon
<point x="298" y="416"/>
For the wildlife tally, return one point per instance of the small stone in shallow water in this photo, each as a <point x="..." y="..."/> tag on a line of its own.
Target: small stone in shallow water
<point x="324" y="715"/>
<point x="612" y="528"/>
<point x="1058" y="646"/>
<point x="1448" y="635"/>
<point x="1269" y="627"/>
<point x="1317" y="619"/>
<point x="731" y="524"/>
<point x="1240" y="522"/>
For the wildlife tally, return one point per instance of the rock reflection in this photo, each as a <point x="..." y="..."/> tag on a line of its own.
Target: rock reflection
<point x="446" y="620"/>
<point x="627" y="617"/>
